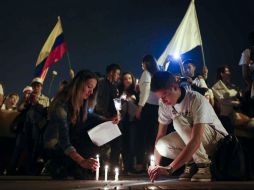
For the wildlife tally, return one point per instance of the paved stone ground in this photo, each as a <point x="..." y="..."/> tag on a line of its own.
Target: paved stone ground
<point x="126" y="182"/>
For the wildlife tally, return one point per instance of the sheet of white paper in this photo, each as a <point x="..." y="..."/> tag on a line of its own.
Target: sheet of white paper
<point x="103" y="133"/>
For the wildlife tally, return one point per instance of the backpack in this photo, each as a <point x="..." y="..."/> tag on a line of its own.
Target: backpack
<point x="230" y="161"/>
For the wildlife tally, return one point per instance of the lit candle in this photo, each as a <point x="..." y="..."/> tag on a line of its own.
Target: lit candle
<point x="137" y="81"/>
<point x="106" y="173"/>
<point x="152" y="160"/>
<point x="98" y="168"/>
<point x="116" y="174"/>
<point x="117" y="102"/>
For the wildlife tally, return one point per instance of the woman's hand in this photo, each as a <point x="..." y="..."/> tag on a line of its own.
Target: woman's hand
<point x="138" y="112"/>
<point x="90" y="163"/>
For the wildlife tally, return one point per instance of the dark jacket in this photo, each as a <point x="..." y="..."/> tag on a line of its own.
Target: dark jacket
<point x="61" y="132"/>
<point x="106" y="92"/>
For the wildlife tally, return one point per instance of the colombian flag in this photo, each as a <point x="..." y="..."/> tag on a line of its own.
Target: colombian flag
<point x="52" y="51"/>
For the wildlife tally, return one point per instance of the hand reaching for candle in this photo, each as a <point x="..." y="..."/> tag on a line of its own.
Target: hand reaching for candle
<point x="155" y="172"/>
<point x="89" y="164"/>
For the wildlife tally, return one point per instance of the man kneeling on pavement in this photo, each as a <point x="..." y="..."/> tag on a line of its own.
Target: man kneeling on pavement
<point x="197" y="130"/>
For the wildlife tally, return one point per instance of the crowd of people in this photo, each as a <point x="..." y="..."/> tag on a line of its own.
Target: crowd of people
<point x="178" y="117"/>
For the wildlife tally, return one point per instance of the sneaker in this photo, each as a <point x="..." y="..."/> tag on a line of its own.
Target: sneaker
<point x="203" y="173"/>
<point x="189" y="171"/>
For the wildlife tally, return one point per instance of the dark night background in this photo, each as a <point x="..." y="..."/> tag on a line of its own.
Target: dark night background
<point x="102" y="32"/>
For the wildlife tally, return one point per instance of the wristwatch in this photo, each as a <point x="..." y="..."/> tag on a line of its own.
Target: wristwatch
<point x="169" y="170"/>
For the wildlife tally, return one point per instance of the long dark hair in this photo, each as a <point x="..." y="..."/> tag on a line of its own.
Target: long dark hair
<point x="73" y="95"/>
<point x="151" y="64"/>
<point x="221" y="70"/>
<point x="131" y="89"/>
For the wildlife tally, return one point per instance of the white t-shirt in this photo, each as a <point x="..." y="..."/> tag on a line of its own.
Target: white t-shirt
<point x="146" y="96"/>
<point x="225" y="97"/>
<point x="193" y="109"/>
<point x="199" y="82"/>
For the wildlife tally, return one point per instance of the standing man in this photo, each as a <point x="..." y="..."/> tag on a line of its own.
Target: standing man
<point x="107" y="91"/>
<point x="37" y="85"/>
<point x="197" y="130"/>
<point x="195" y="82"/>
<point x="36" y="119"/>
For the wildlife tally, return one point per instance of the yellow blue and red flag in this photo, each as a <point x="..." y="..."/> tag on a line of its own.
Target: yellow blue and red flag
<point x="52" y="51"/>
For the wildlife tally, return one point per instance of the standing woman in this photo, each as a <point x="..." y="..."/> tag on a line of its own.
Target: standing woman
<point x="66" y="134"/>
<point x="128" y="122"/>
<point x="147" y="111"/>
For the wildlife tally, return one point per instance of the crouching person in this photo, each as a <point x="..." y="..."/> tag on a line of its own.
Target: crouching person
<point x="197" y="130"/>
<point x="66" y="139"/>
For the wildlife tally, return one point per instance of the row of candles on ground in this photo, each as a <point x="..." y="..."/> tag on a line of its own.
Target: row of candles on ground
<point x="152" y="163"/>
<point x="106" y="171"/>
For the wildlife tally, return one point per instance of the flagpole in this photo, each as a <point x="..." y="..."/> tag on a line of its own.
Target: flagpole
<point x="68" y="59"/>
<point x="68" y="55"/>
<point x="203" y="55"/>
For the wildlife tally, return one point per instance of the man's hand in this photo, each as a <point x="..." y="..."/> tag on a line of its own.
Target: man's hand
<point x="116" y="119"/>
<point x="155" y="172"/>
<point x="90" y="163"/>
<point x="189" y="80"/>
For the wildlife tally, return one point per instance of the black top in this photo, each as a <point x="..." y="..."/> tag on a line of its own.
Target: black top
<point x="107" y="91"/>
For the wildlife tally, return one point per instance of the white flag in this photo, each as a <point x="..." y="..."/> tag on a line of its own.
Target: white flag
<point x="186" y="37"/>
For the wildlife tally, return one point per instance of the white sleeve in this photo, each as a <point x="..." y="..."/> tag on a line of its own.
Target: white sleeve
<point x="245" y="57"/>
<point x="202" y="110"/>
<point x="217" y="94"/>
<point x="218" y="90"/>
<point x="144" y="86"/>
<point x="200" y="82"/>
<point x="163" y="114"/>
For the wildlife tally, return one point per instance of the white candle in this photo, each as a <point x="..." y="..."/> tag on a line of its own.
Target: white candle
<point x="137" y="81"/>
<point x="117" y="102"/>
<point x="152" y="160"/>
<point x="98" y="168"/>
<point x="106" y="173"/>
<point x="116" y="174"/>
